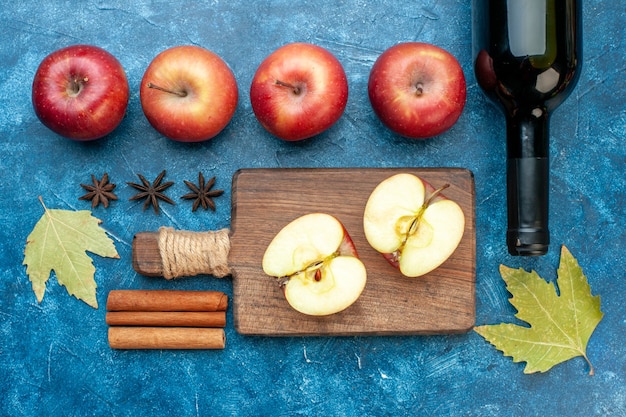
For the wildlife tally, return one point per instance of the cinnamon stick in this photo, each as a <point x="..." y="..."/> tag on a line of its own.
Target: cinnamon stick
<point x="166" y="300"/>
<point x="167" y="318"/>
<point x="166" y="338"/>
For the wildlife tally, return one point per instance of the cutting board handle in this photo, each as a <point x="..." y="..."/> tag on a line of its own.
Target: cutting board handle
<point x="171" y="253"/>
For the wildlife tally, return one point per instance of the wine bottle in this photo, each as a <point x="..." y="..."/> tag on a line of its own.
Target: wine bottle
<point x="527" y="58"/>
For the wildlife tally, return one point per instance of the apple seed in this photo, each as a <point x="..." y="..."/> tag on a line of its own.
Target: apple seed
<point x="313" y="269"/>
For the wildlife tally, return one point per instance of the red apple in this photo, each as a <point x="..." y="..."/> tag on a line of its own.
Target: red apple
<point x="299" y="91"/>
<point x="415" y="227"/>
<point x="315" y="259"/>
<point x="188" y="94"/>
<point x="417" y="89"/>
<point x="80" y="92"/>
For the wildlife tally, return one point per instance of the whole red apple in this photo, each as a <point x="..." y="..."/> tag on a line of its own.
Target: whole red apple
<point x="417" y="89"/>
<point x="188" y="93"/>
<point x="299" y="91"/>
<point x="80" y="92"/>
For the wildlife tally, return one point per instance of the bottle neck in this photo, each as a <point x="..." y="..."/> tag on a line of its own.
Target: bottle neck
<point x="528" y="182"/>
<point x="527" y="133"/>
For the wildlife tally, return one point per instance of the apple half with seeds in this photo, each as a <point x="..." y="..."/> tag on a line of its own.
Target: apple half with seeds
<point x="317" y="263"/>
<point x="415" y="227"/>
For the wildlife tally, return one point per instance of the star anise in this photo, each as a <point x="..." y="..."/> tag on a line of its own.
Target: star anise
<point x="152" y="193"/>
<point x="202" y="193"/>
<point x="100" y="192"/>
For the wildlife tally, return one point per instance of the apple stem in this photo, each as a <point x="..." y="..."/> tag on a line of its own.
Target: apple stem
<point x="417" y="218"/>
<point x="296" y="90"/>
<point x="178" y="93"/>
<point x="435" y="194"/>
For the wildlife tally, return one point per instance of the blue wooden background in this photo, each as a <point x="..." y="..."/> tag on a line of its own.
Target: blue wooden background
<point x="54" y="356"/>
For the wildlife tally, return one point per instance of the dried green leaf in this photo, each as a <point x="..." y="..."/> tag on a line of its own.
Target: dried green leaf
<point x="560" y="324"/>
<point x="59" y="242"/>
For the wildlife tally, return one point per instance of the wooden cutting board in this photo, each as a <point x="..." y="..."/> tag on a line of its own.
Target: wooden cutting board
<point x="265" y="200"/>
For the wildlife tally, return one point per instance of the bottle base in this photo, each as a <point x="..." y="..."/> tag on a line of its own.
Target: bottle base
<point x="533" y="242"/>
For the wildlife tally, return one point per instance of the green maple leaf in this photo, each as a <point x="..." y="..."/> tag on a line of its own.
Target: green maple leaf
<point x="59" y="242"/>
<point x="561" y="325"/>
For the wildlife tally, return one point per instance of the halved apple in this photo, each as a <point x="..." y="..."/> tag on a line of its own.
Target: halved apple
<point x="414" y="226"/>
<point x="317" y="264"/>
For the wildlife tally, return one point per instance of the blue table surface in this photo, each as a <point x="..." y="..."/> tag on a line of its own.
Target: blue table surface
<point x="54" y="356"/>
